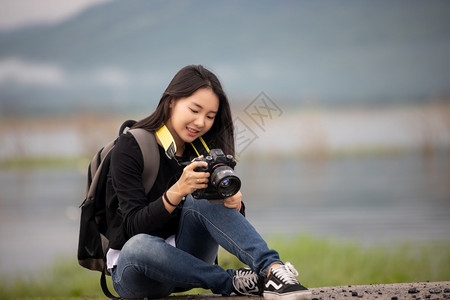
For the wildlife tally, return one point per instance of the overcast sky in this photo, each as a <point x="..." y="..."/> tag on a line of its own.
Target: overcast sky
<point x="17" y="13"/>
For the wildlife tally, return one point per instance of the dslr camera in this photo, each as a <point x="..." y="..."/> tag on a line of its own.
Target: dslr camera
<point x="223" y="181"/>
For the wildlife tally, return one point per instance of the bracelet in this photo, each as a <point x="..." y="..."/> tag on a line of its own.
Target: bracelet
<point x="168" y="201"/>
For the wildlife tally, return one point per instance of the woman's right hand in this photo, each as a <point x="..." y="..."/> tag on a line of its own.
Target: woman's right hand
<point x="189" y="182"/>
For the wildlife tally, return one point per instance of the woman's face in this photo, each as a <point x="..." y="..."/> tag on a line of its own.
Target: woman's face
<point x="191" y="117"/>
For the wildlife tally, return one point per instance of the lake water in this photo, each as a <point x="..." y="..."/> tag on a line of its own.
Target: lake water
<point x="369" y="200"/>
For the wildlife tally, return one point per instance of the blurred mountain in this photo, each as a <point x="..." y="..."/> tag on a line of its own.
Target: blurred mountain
<point x="122" y="54"/>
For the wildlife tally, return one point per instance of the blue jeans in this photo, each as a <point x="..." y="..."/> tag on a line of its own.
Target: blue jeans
<point x="149" y="267"/>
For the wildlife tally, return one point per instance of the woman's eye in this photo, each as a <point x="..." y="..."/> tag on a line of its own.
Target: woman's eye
<point x="211" y="118"/>
<point x="194" y="111"/>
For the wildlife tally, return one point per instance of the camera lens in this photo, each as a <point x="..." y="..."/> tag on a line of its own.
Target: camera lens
<point x="225" y="181"/>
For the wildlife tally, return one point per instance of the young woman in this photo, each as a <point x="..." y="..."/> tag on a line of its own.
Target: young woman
<point x="168" y="240"/>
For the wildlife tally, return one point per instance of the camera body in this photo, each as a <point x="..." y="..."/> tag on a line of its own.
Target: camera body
<point x="223" y="181"/>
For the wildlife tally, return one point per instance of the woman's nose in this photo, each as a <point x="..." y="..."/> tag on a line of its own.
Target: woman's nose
<point x="199" y="122"/>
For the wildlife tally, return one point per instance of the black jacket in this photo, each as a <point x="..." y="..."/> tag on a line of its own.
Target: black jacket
<point x="139" y="212"/>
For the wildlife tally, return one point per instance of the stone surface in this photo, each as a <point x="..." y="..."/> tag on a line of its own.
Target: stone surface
<point x="419" y="290"/>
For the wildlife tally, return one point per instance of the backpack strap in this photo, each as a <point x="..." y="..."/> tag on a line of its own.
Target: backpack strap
<point x="105" y="286"/>
<point x="150" y="153"/>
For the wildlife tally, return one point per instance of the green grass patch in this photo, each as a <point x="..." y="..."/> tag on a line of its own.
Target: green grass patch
<point x="320" y="262"/>
<point x="43" y="162"/>
<point x="65" y="278"/>
<point x="324" y="262"/>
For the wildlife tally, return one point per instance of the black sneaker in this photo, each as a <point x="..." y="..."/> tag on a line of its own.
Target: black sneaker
<point x="282" y="284"/>
<point x="247" y="283"/>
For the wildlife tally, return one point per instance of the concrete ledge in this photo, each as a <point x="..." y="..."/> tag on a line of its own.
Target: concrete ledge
<point x="419" y="290"/>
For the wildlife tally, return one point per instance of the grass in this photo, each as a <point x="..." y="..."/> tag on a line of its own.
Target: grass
<point x="320" y="262"/>
<point x="43" y="162"/>
<point x="324" y="262"/>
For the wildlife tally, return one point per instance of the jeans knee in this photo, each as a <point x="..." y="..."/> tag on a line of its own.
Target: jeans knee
<point x="140" y="244"/>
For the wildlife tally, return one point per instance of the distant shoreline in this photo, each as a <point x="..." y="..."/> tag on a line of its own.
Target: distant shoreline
<point x="308" y="132"/>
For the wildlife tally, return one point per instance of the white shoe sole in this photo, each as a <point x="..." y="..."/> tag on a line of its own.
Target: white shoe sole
<point x="299" y="295"/>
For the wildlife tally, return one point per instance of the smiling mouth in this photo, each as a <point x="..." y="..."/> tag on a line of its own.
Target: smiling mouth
<point x="192" y="131"/>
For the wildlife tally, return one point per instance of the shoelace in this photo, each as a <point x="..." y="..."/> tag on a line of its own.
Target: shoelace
<point x="245" y="279"/>
<point x="286" y="273"/>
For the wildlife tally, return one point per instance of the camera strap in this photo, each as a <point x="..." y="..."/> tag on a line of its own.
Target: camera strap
<point x="168" y="143"/>
<point x="200" y="147"/>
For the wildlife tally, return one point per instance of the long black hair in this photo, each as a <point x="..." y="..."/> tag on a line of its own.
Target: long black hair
<point x="186" y="82"/>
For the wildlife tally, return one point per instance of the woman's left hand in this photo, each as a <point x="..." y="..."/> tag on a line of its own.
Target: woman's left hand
<point x="233" y="201"/>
